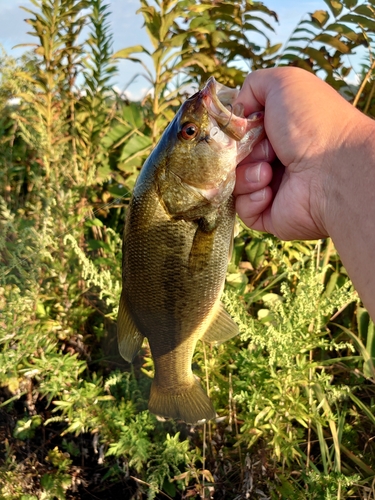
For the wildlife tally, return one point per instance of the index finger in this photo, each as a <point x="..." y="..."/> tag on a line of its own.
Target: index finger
<point x="252" y="94"/>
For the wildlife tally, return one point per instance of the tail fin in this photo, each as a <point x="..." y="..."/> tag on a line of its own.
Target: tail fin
<point x="190" y="405"/>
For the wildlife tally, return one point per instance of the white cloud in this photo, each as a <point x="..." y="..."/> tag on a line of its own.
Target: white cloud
<point x="133" y="95"/>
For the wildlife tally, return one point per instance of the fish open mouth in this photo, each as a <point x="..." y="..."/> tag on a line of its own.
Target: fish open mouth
<point x="228" y="120"/>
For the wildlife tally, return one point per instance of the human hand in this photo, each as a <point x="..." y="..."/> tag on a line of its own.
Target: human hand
<point x="311" y="133"/>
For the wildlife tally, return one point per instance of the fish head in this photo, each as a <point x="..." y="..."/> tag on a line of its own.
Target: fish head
<point x="208" y="137"/>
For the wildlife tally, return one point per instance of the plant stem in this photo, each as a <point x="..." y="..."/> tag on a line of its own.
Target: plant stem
<point x="363" y="84"/>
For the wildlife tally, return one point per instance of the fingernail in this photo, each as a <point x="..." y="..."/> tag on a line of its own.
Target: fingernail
<point x="252" y="174"/>
<point x="257" y="195"/>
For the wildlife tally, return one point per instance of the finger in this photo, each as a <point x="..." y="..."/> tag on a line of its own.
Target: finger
<point x="251" y="207"/>
<point x="253" y="92"/>
<point x="261" y="152"/>
<point x="252" y="177"/>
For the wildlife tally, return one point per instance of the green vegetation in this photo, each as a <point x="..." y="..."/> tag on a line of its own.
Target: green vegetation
<point x="294" y="392"/>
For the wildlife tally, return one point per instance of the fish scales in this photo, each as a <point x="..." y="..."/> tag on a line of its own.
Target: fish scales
<point x="174" y="285"/>
<point x="177" y="239"/>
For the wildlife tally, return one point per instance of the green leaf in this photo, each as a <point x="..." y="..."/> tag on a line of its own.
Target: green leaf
<point x="299" y="39"/>
<point x="344" y="30"/>
<point x="166" y="22"/>
<point x="319" y="58"/>
<point x="260" y="7"/>
<point x="25" y="428"/>
<point x="201" y="60"/>
<point x="202" y="22"/>
<point x="345" y="71"/>
<point x="238" y="247"/>
<point x="135" y="146"/>
<point x="133" y="115"/>
<point x="25" y="45"/>
<point x="363" y="407"/>
<point x="125" y="53"/>
<point x="365" y="10"/>
<point x="152" y="23"/>
<point x="47" y="481"/>
<point x="362" y="21"/>
<point x="305" y="29"/>
<point x="333" y="41"/>
<point x="252" y="27"/>
<point x="335" y="6"/>
<point x="238" y="281"/>
<point x="363" y="319"/>
<point x="361" y="348"/>
<point x="115" y="134"/>
<point x="169" y="488"/>
<point x="349" y="4"/>
<point x="94" y="222"/>
<point x="273" y="49"/>
<point x="286" y="488"/>
<point x="177" y="40"/>
<point x="263" y="415"/>
<point x="262" y="21"/>
<point x="332" y="283"/>
<point x="198" y="8"/>
<point x="255" y="252"/>
<point x="370" y="348"/>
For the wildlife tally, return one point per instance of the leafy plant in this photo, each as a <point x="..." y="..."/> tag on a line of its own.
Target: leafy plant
<point x="319" y="44"/>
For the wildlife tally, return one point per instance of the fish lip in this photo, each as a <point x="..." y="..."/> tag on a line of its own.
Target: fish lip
<point x="234" y="126"/>
<point x="210" y="97"/>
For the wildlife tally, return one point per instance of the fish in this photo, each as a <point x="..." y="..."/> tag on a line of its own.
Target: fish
<point x="177" y="241"/>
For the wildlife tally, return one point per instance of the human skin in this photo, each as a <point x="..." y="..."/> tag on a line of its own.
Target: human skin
<point x="314" y="174"/>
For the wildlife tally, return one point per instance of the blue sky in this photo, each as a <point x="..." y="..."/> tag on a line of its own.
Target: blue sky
<point x="127" y="29"/>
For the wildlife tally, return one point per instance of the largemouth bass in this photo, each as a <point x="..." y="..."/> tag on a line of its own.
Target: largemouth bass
<point x="177" y="239"/>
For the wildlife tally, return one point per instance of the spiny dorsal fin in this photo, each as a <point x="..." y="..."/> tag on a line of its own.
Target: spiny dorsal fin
<point x="129" y="337"/>
<point x="222" y="327"/>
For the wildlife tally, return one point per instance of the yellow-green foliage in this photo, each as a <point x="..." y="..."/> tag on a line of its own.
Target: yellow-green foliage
<point x="294" y="392"/>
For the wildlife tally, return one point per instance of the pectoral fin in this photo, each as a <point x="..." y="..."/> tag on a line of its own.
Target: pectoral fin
<point x="129" y="337"/>
<point x="201" y="249"/>
<point x="222" y="327"/>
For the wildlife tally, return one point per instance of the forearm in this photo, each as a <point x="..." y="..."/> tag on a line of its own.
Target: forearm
<point x="350" y="209"/>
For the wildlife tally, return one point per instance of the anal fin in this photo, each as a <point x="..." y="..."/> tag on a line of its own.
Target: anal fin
<point x="222" y="327"/>
<point x="129" y="337"/>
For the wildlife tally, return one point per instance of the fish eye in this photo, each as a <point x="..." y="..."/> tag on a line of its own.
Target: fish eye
<point x="189" y="131"/>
